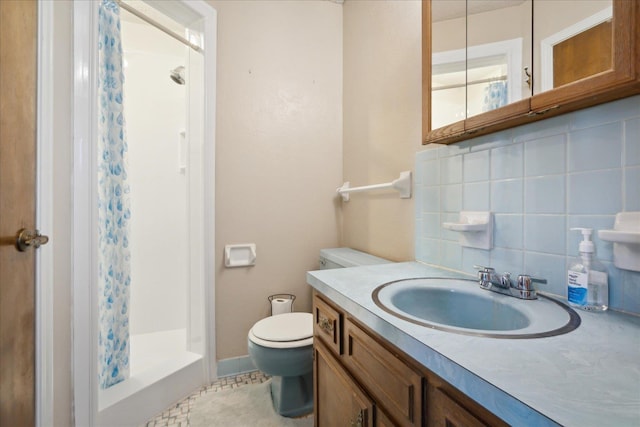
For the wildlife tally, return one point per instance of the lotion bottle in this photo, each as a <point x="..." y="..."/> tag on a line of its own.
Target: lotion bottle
<point x="588" y="285"/>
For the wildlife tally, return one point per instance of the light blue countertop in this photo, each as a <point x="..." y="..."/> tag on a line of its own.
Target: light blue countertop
<point x="588" y="377"/>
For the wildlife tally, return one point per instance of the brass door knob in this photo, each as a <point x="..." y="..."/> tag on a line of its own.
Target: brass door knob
<point x="30" y="239"/>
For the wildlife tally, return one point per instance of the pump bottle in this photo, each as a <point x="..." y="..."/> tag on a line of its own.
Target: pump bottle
<point x="587" y="277"/>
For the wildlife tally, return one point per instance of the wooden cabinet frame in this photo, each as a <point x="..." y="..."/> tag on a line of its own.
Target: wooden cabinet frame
<point x="621" y="81"/>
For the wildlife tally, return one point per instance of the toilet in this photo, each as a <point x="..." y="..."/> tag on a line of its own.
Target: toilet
<point x="282" y="345"/>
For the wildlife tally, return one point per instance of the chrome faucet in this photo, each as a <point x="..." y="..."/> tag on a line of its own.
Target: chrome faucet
<point x="522" y="288"/>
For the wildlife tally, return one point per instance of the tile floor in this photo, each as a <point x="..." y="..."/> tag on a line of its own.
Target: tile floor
<point x="177" y="415"/>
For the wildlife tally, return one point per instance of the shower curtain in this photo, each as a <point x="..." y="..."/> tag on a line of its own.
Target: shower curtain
<point x="114" y="276"/>
<point x="495" y="96"/>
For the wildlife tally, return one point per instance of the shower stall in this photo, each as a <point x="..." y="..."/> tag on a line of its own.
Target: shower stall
<point x="148" y="341"/>
<point x="155" y="116"/>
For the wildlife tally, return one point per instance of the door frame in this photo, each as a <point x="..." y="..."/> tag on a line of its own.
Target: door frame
<point x="84" y="234"/>
<point x="44" y="217"/>
<point x="547" y="44"/>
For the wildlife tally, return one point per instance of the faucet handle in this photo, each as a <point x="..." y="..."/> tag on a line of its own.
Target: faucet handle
<point x="485" y="275"/>
<point x="483" y="269"/>
<point x="505" y="280"/>
<point x="525" y="282"/>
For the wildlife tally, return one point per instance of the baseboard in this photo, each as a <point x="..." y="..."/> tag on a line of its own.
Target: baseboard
<point x="235" y="366"/>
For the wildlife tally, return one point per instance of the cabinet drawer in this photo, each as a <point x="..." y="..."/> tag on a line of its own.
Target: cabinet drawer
<point x="327" y="324"/>
<point x="395" y="386"/>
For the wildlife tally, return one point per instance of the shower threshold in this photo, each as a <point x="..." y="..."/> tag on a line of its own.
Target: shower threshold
<point x="159" y="367"/>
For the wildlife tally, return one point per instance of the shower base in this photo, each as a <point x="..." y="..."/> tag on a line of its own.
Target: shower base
<point x="159" y="362"/>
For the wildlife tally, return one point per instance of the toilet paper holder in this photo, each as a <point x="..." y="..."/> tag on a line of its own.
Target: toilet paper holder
<point x="281" y="303"/>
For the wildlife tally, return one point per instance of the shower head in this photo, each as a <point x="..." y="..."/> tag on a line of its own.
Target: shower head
<point x="177" y="75"/>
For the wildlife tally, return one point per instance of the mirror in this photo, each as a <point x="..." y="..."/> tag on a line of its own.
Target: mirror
<point x="489" y="65"/>
<point x="498" y="53"/>
<point x="480" y="49"/>
<point x="563" y="31"/>
<point x="449" y="64"/>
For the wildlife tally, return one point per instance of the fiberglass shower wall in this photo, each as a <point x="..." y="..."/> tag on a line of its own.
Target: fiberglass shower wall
<point x="156" y="110"/>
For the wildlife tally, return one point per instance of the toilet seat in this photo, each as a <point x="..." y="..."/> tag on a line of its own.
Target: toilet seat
<point x="286" y="330"/>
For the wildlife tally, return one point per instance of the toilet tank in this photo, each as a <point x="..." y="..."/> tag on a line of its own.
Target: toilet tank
<point x="347" y="257"/>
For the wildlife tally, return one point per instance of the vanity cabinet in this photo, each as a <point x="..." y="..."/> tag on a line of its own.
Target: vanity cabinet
<point x="360" y="379"/>
<point x="619" y="78"/>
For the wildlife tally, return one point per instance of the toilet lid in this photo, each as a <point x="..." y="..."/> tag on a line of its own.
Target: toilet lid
<point x="284" y="327"/>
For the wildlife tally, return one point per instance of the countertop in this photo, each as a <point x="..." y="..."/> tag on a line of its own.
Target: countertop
<point x="588" y="377"/>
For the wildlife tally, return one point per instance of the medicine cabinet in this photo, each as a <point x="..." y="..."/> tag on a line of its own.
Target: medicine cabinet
<point x="490" y="65"/>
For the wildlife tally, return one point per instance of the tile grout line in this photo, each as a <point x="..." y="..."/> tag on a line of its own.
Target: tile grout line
<point x="178" y="414"/>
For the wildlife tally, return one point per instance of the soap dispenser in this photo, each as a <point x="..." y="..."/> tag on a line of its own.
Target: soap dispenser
<point x="587" y="277"/>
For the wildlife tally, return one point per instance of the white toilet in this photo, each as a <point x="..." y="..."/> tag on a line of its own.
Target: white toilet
<point x="282" y="345"/>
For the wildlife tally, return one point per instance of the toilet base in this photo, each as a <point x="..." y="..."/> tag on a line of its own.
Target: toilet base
<point x="292" y="396"/>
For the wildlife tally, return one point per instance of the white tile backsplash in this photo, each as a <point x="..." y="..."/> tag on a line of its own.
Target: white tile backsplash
<point x="476" y="196"/>
<point x="545" y="195"/>
<point x="476" y="166"/>
<point x="506" y="162"/>
<point x="451" y="198"/>
<point x="508" y="231"/>
<point x="540" y="179"/>
<point x="545" y="233"/>
<point x="506" y="196"/>
<point x="596" y="192"/>
<point x="451" y="170"/>
<point x="431" y="172"/>
<point x="545" y="156"/>
<point x="595" y="148"/>
<point x="632" y="189"/>
<point x="606" y="113"/>
<point x="632" y="147"/>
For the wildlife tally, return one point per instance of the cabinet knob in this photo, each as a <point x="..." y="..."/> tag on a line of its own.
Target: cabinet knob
<point x="325" y="324"/>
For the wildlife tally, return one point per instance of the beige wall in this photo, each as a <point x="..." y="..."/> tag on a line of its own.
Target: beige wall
<point x="382" y="121"/>
<point x="278" y="153"/>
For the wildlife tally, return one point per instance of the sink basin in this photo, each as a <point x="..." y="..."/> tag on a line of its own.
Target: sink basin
<point x="460" y="306"/>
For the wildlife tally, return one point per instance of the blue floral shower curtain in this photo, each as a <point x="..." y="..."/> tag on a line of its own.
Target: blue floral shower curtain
<point x="114" y="276"/>
<point x="495" y="96"/>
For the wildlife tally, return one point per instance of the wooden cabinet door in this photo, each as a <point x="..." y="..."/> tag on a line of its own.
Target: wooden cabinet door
<point x="446" y="412"/>
<point x="382" y="419"/>
<point x="339" y="401"/>
<point x="395" y="386"/>
<point x="18" y="81"/>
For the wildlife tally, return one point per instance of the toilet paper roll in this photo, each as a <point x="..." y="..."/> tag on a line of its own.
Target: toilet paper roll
<point x="280" y="305"/>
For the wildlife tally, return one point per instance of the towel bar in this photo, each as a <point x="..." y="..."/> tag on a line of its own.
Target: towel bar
<point x="402" y="185"/>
